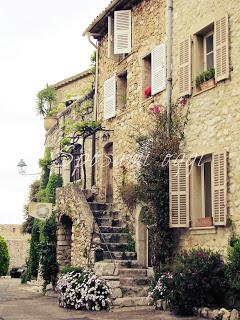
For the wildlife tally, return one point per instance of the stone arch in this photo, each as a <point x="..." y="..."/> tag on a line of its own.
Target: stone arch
<point x="64" y="240"/>
<point x="141" y="240"/>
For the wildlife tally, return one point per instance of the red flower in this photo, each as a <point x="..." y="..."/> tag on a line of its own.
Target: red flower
<point x="183" y="101"/>
<point x="148" y="92"/>
<point x="155" y="109"/>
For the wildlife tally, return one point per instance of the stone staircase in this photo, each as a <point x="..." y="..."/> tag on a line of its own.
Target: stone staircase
<point x="120" y="267"/>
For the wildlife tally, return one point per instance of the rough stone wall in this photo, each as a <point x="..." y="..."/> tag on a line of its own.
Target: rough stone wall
<point x="214" y="115"/>
<point x="55" y="134"/>
<point x="72" y="203"/>
<point x="18" y="244"/>
<point x="148" y="31"/>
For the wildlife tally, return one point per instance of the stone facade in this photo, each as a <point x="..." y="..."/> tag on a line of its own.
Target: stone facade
<point x="18" y="244"/>
<point x="214" y="117"/>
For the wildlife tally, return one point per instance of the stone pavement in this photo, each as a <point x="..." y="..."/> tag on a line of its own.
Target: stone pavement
<point x="18" y="302"/>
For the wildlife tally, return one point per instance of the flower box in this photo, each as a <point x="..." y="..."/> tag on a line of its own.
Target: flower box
<point x="207" y="84"/>
<point x="205" y="222"/>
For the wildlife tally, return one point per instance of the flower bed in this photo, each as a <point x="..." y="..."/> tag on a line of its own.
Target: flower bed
<point x="83" y="290"/>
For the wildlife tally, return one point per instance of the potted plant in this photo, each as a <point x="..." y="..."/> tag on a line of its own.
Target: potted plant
<point x="148" y="92"/>
<point x="45" y="99"/>
<point x="206" y="79"/>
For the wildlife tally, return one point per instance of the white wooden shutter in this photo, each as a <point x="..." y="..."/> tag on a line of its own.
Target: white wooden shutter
<point x="185" y="67"/>
<point x="110" y="37"/>
<point x="110" y="98"/>
<point x="158" y="71"/>
<point x="179" y="193"/>
<point x="221" y="50"/>
<point x="219" y="189"/>
<point x="122" y="31"/>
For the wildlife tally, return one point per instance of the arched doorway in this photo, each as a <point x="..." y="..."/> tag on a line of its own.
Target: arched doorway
<point x="64" y="241"/>
<point x="108" y="153"/>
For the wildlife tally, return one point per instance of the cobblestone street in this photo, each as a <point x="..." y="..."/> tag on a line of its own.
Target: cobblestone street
<point x="17" y="302"/>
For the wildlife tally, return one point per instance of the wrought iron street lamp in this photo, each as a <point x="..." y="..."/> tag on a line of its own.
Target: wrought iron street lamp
<point x="22" y="167"/>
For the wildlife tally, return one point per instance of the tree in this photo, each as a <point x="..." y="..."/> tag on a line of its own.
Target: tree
<point x="4" y="257"/>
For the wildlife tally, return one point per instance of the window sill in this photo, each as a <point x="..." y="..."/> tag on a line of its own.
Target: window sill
<point x="203" y="230"/>
<point x="148" y="100"/>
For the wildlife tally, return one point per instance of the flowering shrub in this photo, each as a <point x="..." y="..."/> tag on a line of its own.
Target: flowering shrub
<point x="82" y="289"/>
<point x="155" y="109"/>
<point x="198" y="281"/>
<point x="148" y="92"/>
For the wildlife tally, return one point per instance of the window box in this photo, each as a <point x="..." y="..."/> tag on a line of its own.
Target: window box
<point x="207" y="84"/>
<point x="205" y="222"/>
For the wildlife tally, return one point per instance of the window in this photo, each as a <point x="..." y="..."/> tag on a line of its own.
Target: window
<point x="75" y="171"/>
<point x="122" y="90"/>
<point x="198" y="191"/>
<point x="208" y="51"/>
<point x="147" y="67"/>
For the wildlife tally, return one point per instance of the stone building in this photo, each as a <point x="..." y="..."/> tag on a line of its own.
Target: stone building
<point x="17" y="242"/>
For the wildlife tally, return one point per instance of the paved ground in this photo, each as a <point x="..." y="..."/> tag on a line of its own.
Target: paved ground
<point x="17" y="302"/>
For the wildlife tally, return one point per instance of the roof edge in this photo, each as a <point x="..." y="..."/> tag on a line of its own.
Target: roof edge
<point x="73" y="78"/>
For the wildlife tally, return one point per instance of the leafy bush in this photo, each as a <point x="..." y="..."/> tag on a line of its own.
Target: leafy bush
<point x="83" y="290"/>
<point x="34" y="253"/>
<point x="45" y="99"/>
<point x="205" y="76"/>
<point x="129" y="195"/>
<point x="198" y="281"/>
<point x="4" y="257"/>
<point x="233" y="271"/>
<point x="68" y="269"/>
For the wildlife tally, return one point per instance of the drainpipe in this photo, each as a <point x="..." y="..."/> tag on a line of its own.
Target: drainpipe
<point x="95" y="110"/>
<point x="169" y="62"/>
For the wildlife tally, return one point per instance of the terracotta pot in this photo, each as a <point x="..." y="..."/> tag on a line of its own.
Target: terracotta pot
<point x="49" y="122"/>
<point x="205" y="222"/>
<point x="207" y="84"/>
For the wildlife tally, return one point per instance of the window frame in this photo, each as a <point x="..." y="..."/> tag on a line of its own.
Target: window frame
<point x="205" y="54"/>
<point x="203" y="185"/>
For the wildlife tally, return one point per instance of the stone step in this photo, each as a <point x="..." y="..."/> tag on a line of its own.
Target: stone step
<point x="108" y="222"/>
<point x="129" y="281"/>
<point x="125" y="263"/>
<point x="122" y="247"/>
<point x="106" y="229"/>
<point x="115" y="237"/>
<point x="131" y="302"/>
<point x="99" y="206"/>
<point x="105" y="214"/>
<point x="120" y="255"/>
<point x="139" y="291"/>
<point x="134" y="273"/>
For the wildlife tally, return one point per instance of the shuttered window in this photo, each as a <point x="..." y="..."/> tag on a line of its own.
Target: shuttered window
<point x="110" y="98"/>
<point x="158" y="69"/>
<point x="219" y="189"/>
<point x="122" y="32"/>
<point x="221" y="30"/>
<point x="185" y="72"/>
<point x="179" y="193"/>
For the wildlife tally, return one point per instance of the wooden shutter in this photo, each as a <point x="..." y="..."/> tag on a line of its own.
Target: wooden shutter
<point x="110" y="98"/>
<point x="179" y="193"/>
<point x="158" y="71"/>
<point x="221" y="50"/>
<point x="219" y="189"/>
<point x="122" y="31"/>
<point x="110" y="37"/>
<point x="185" y="67"/>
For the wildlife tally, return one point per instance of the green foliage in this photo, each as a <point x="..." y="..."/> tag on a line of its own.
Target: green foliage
<point x="34" y="253"/>
<point x="54" y="182"/>
<point x="45" y="99"/>
<point x="129" y="195"/>
<point x="93" y="61"/>
<point x="153" y="181"/>
<point x="49" y="266"/>
<point x="4" y="257"/>
<point x="233" y="270"/>
<point x="68" y="269"/>
<point x="198" y="281"/>
<point x="131" y="245"/>
<point x="44" y="165"/>
<point x="205" y="76"/>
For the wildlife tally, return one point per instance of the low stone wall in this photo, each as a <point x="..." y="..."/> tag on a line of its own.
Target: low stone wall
<point x="76" y="236"/>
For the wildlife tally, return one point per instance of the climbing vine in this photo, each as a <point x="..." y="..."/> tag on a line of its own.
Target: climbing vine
<point x="153" y="180"/>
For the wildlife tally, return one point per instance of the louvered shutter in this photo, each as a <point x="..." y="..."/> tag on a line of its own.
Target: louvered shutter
<point x="110" y="37"/>
<point x="221" y="34"/>
<point x="158" y="71"/>
<point x="179" y="193"/>
<point x="110" y="98"/>
<point x="185" y="67"/>
<point x="122" y="31"/>
<point x="219" y="189"/>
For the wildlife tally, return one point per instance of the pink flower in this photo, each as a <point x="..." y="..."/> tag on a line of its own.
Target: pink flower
<point x="155" y="109"/>
<point x="183" y="101"/>
<point x="148" y="92"/>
